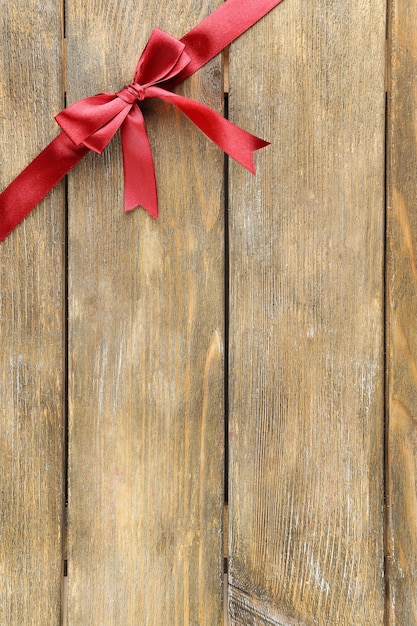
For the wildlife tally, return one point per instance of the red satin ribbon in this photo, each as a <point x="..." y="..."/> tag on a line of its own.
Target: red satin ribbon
<point x="91" y="123"/>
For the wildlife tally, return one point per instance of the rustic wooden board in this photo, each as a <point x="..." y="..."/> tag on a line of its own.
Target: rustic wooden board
<point x="31" y="325"/>
<point x="401" y="317"/>
<point x="146" y="347"/>
<point x="306" y="325"/>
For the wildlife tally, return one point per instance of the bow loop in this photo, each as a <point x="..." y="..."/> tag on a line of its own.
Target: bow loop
<point x="162" y="59"/>
<point x="99" y="115"/>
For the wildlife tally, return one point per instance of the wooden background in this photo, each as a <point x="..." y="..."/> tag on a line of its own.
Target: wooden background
<point x="239" y="378"/>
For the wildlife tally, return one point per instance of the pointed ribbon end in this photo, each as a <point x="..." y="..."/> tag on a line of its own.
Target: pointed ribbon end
<point x="264" y="144"/>
<point x="246" y="159"/>
<point x="154" y="214"/>
<point x="151" y="209"/>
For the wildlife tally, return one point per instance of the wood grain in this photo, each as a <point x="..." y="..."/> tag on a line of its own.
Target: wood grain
<point x="401" y="317"/>
<point x="31" y="325"/>
<point x="146" y="347"/>
<point x="306" y="319"/>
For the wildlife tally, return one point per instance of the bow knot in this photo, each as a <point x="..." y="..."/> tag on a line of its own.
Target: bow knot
<point x="132" y="93"/>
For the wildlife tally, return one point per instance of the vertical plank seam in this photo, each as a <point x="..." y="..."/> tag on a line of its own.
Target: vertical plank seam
<point x="64" y="598"/>
<point x="66" y="422"/>
<point x="226" y="86"/>
<point x="386" y="512"/>
<point x="226" y="313"/>
<point x="226" y="340"/>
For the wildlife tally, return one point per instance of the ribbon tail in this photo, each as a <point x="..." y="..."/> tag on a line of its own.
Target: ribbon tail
<point x="235" y="141"/>
<point x="36" y="180"/>
<point x="138" y="165"/>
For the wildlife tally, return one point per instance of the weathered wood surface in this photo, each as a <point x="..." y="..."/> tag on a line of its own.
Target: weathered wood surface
<point x="31" y="325"/>
<point x="306" y="325"/>
<point x="146" y="331"/>
<point x="401" y="317"/>
<point x="146" y="347"/>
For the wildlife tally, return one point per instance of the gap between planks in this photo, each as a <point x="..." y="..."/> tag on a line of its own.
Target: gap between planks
<point x="226" y="88"/>
<point x="386" y="463"/>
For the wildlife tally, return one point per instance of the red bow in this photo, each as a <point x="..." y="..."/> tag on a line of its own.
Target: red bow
<point x="93" y="122"/>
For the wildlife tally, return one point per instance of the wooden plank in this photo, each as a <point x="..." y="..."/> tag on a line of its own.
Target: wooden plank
<point x="145" y="342"/>
<point x="401" y="284"/>
<point x="306" y="325"/>
<point x="31" y="324"/>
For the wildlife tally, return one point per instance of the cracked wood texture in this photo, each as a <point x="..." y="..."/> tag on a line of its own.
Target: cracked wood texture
<point x="31" y="324"/>
<point x="401" y="317"/>
<point x="306" y="320"/>
<point x="145" y="346"/>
